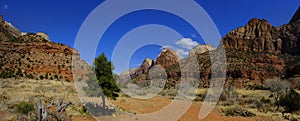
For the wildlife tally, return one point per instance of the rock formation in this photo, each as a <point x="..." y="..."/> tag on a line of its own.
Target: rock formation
<point x="33" y="56"/>
<point x="199" y="49"/>
<point x="167" y="58"/>
<point x="44" y="35"/>
<point x="254" y="53"/>
<point x="258" y="36"/>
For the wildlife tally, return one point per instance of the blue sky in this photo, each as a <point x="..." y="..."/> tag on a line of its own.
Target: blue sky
<point x="62" y="19"/>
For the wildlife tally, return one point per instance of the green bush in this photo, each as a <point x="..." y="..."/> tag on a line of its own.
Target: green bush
<point x="30" y="76"/>
<point x="24" y="108"/>
<point x="42" y="77"/>
<point x="47" y="75"/>
<point x="19" y="73"/>
<point x="291" y="101"/>
<point x="56" y="76"/>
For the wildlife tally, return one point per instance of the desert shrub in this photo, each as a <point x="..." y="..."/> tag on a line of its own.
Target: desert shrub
<point x="83" y="111"/>
<point x="56" y="76"/>
<point x="7" y="73"/>
<point x="47" y="76"/>
<point x="19" y="73"/>
<point x="278" y="88"/>
<point x="199" y="97"/>
<point x="228" y="93"/>
<point x="41" y="77"/>
<point x="237" y="111"/>
<point x="291" y="101"/>
<point x="24" y="107"/>
<point x="30" y="76"/>
<point x="265" y="100"/>
<point x="258" y="87"/>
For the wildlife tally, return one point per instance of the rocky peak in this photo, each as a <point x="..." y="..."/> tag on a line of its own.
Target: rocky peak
<point x="255" y="28"/>
<point x="167" y="58"/>
<point x="257" y="35"/>
<point x="44" y="35"/>
<point x="146" y="65"/>
<point x="147" y="61"/>
<point x="199" y="49"/>
<point x="296" y="16"/>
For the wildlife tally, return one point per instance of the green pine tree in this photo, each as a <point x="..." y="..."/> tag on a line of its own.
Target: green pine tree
<point x="103" y="70"/>
<point x="104" y="75"/>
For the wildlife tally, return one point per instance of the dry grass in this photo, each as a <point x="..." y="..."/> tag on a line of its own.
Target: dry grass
<point x="246" y="99"/>
<point x="13" y="91"/>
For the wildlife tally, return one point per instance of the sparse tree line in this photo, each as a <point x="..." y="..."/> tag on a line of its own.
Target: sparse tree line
<point x="11" y="73"/>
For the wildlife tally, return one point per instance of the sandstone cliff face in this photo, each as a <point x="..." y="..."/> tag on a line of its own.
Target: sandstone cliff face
<point x="260" y="36"/>
<point x="33" y="56"/>
<point x="145" y="67"/>
<point x="167" y="58"/>
<point x="254" y="53"/>
<point x="199" y="49"/>
<point x="39" y="60"/>
<point x="290" y="36"/>
<point x="259" y="50"/>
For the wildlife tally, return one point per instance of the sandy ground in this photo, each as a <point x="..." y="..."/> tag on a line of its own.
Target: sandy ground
<point x="146" y="107"/>
<point x="128" y="108"/>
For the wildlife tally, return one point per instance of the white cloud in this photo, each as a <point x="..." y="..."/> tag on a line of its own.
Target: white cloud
<point x="187" y="43"/>
<point x="182" y="47"/>
<point x="181" y="52"/>
<point x="5" y="7"/>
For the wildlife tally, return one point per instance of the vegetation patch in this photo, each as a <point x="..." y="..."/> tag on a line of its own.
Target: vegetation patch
<point x="237" y="111"/>
<point x="24" y="107"/>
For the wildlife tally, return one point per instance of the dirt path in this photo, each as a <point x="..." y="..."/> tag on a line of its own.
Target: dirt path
<point x="147" y="106"/>
<point x="193" y="113"/>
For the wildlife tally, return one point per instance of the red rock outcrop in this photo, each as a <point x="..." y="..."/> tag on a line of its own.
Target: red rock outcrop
<point x="254" y="53"/>
<point x="33" y="56"/>
<point x="167" y="58"/>
<point x="258" y="36"/>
